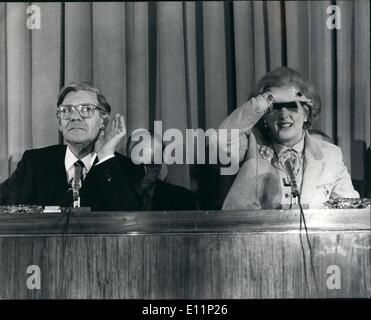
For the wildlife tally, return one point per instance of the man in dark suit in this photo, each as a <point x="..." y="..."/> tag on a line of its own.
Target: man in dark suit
<point x="86" y="172"/>
<point x="154" y="193"/>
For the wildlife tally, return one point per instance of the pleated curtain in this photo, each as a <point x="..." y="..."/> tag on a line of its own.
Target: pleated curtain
<point x="188" y="64"/>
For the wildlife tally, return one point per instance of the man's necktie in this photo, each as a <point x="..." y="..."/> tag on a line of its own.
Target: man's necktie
<point x="78" y="175"/>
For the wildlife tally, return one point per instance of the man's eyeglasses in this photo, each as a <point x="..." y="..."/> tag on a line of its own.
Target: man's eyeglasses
<point x="86" y="110"/>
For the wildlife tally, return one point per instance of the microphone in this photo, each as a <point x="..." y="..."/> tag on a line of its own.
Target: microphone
<point x="76" y="185"/>
<point x="290" y="171"/>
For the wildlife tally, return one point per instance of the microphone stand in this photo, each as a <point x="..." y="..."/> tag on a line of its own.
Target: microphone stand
<point x="76" y="186"/>
<point x="76" y="194"/>
<point x="294" y="185"/>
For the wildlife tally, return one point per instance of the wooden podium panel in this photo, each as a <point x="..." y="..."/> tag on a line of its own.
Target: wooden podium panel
<point x="187" y="255"/>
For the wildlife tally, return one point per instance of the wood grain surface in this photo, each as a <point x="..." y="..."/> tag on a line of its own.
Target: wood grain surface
<point x="183" y="222"/>
<point x="193" y="258"/>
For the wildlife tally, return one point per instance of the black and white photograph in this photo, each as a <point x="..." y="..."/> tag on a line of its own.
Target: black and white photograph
<point x="195" y="151"/>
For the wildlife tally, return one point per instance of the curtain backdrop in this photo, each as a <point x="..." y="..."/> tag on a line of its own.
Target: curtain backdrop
<point x="188" y="64"/>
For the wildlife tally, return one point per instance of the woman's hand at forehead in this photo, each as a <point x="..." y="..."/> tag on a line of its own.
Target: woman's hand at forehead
<point x="287" y="94"/>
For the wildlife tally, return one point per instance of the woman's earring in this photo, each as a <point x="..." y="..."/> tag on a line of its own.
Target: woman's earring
<point x="265" y="124"/>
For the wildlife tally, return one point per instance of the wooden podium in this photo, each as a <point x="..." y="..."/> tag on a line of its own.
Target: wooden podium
<point x="186" y="255"/>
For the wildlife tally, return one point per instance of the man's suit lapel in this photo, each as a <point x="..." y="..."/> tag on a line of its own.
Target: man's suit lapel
<point x="53" y="174"/>
<point x="313" y="166"/>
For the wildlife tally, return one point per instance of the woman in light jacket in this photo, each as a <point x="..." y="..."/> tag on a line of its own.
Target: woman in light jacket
<point x="280" y="163"/>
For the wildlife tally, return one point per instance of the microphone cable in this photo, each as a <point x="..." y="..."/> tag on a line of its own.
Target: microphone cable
<point x="304" y="260"/>
<point x="296" y="193"/>
<point x="302" y="221"/>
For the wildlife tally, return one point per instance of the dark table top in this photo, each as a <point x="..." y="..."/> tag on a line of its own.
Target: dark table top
<point x="137" y="223"/>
